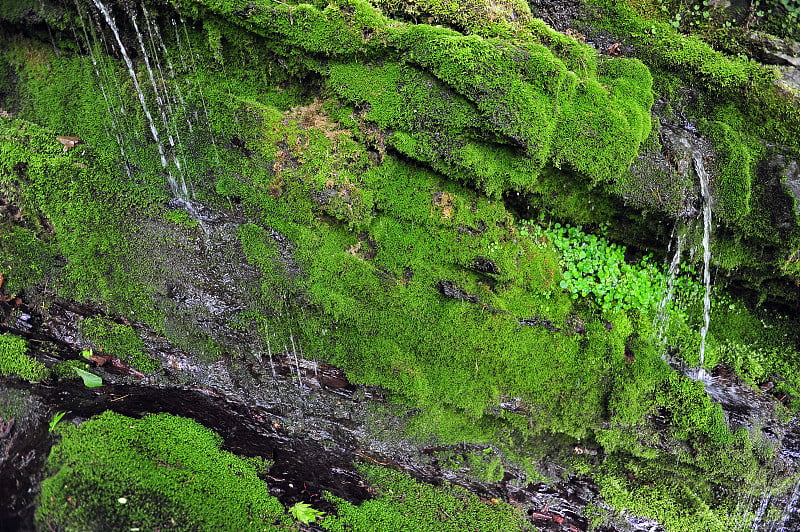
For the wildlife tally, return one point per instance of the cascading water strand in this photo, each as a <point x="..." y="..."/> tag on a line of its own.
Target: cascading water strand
<point x="168" y="139"/>
<point x="129" y="63"/>
<point x="662" y="314"/>
<point x="705" y="191"/>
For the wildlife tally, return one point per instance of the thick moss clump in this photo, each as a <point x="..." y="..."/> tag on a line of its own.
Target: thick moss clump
<point x="74" y="210"/>
<point x="405" y="505"/>
<point x="14" y="360"/>
<point x="160" y="472"/>
<point x="489" y="110"/>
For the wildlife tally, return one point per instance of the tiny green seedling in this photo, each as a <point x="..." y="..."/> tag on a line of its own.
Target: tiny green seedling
<point x="87" y="353"/>
<point x="90" y="380"/>
<point x="304" y="513"/>
<point x="56" y="418"/>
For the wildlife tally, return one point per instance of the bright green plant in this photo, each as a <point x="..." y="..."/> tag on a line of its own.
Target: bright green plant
<point x="596" y="268"/>
<point x="90" y="380"/>
<point x="53" y="422"/>
<point x="304" y="513"/>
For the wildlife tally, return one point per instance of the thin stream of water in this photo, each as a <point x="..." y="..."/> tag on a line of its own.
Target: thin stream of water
<point x="126" y="57"/>
<point x="178" y="185"/>
<point x="102" y="81"/>
<point x="706" y="194"/>
<point x="662" y="314"/>
<point x="790" y="508"/>
<point x="172" y="99"/>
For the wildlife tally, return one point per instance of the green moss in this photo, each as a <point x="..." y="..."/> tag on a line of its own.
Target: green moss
<point x="346" y="28"/>
<point x="736" y="175"/>
<point x="119" y="340"/>
<point x="161" y="471"/>
<point x="25" y="258"/>
<point x="533" y="103"/>
<point x="486" y="466"/>
<point x="389" y="265"/>
<point x="687" y="493"/>
<point x="482" y="17"/>
<point x="769" y="111"/>
<point x="180" y="216"/>
<point x="14" y="360"/>
<point x="404" y="504"/>
<point x="85" y="209"/>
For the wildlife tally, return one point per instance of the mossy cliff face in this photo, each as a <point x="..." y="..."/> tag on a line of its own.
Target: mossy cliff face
<point x="345" y="182"/>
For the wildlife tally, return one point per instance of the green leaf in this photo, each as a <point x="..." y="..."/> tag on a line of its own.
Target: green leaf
<point x="90" y="380"/>
<point x="56" y="418"/>
<point x="304" y="513"/>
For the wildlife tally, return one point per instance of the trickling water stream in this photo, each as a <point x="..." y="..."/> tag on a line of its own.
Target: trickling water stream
<point x="662" y="314"/>
<point x="706" y="197"/>
<point x="789" y="510"/>
<point x="162" y="121"/>
<point x="683" y="229"/>
<point x="132" y="71"/>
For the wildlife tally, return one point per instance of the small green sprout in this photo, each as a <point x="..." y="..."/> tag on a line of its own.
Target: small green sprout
<point x="56" y="418"/>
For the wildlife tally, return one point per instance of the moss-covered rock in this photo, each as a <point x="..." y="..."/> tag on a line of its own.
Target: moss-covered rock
<point x="373" y="172"/>
<point x="160" y="471"/>
<point x="14" y="360"/>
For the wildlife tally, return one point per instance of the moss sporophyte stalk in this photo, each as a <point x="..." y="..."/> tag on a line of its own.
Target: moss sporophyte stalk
<point x="359" y="178"/>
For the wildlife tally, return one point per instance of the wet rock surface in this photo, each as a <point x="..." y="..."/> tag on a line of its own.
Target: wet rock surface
<point x="788" y="171"/>
<point x="313" y="423"/>
<point x="22" y="452"/>
<point x="771" y="50"/>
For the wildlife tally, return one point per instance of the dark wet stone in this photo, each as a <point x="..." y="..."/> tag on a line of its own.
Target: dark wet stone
<point x="771" y="50"/>
<point x="23" y="448"/>
<point x="538" y="321"/>
<point x="453" y="291"/>
<point x="484" y="265"/>
<point x="790" y="174"/>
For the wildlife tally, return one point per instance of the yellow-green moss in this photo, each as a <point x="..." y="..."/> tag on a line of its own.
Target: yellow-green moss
<point x="114" y="472"/>
<point x="403" y="504"/>
<point x="14" y="360"/>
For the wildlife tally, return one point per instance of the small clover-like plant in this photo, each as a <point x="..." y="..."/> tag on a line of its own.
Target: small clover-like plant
<point x="596" y="268"/>
<point x="304" y="513"/>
